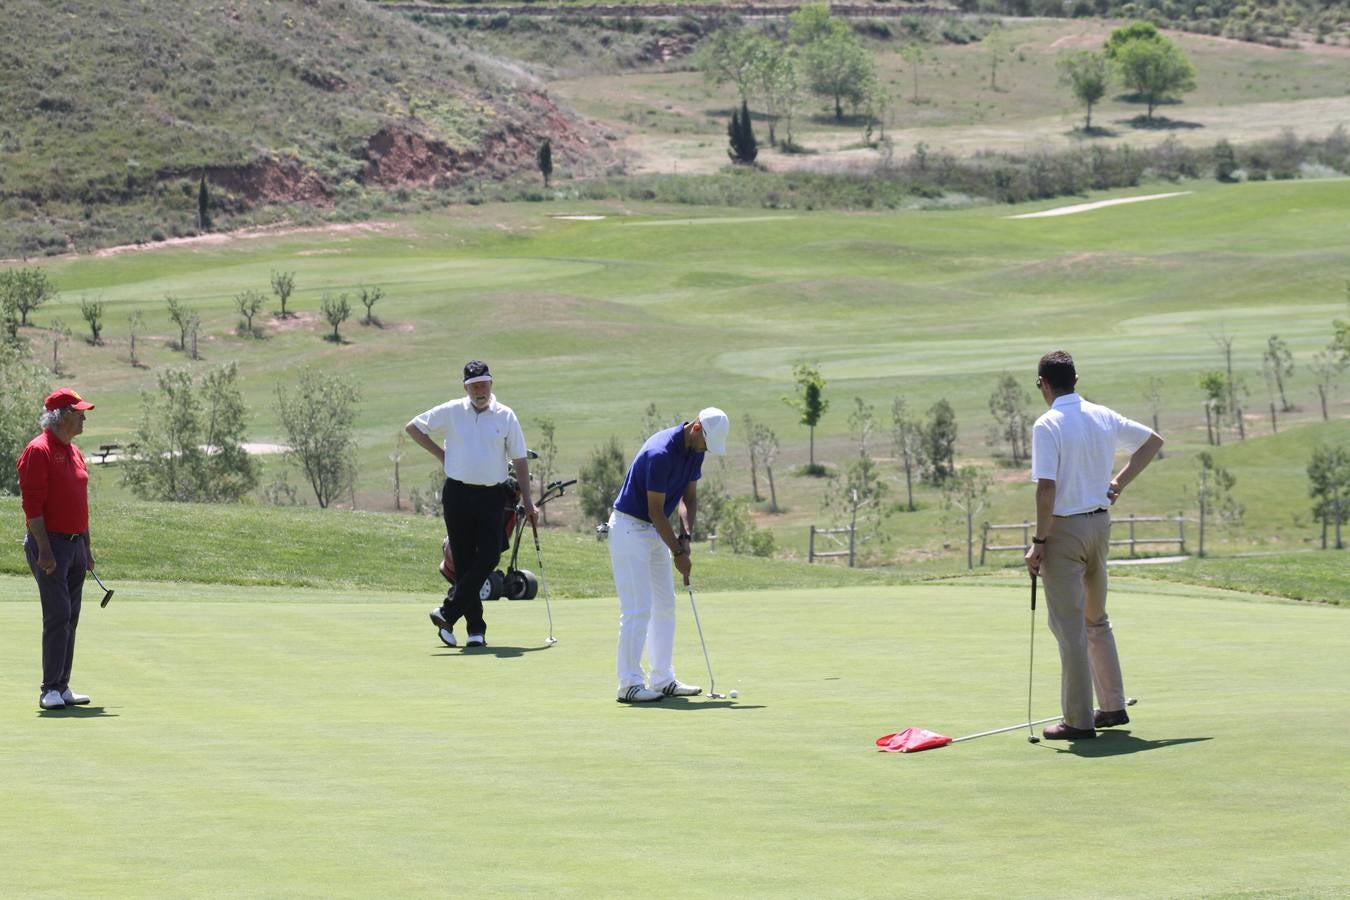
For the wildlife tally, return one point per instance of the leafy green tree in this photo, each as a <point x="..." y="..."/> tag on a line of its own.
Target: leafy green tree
<point x="775" y="78"/>
<point x="810" y="403"/>
<point x="601" y="478"/>
<point x="915" y="55"/>
<point x="25" y="386"/>
<point x="318" y="415"/>
<point x="741" y="134"/>
<point x="24" y="290"/>
<point x="182" y="316"/>
<point x="734" y="55"/>
<point x="336" y="310"/>
<point x="811" y="22"/>
<point x="1329" y="487"/>
<point x="283" y="285"/>
<point x="939" y="443"/>
<point x="1155" y="70"/>
<point x="1135" y="31"/>
<point x="544" y="159"/>
<point x="1327" y="367"/>
<point x="1008" y="405"/>
<point x="1215" y="388"/>
<point x="1214" y="495"/>
<point x="765" y="445"/>
<point x="249" y="303"/>
<point x="189" y="444"/>
<point x="839" y="68"/>
<point x="1088" y="75"/>
<point x="92" y="312"/>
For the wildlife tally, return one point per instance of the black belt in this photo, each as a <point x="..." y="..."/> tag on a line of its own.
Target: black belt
<point x="1090" y="512"/>
<point x="65" y="536"/>
<point x="501" y="485"/>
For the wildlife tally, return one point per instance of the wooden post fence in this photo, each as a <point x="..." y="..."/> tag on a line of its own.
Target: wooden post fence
<point x="1133" y="541"/>
<point x="812" y="554"/>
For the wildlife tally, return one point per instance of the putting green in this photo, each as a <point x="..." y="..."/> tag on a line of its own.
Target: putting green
<point x="304" y="743"/>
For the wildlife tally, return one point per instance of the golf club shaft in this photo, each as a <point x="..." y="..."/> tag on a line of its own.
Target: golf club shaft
<point x="1018" y="727"/>
<point x="99" y="580"/>
<point x="539" y="558"/>
<point x="712" y="682"/>
<point x="1031" y="655"/>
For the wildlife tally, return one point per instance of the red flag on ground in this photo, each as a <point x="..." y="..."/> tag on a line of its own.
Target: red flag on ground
<point x="912" y="740"/>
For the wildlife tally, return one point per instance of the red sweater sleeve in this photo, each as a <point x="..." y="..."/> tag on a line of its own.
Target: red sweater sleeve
<point x="34" y="479"/>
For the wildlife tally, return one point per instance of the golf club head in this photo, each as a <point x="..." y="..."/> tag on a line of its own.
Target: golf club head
<point x="550" y="641"/>
<point x="1032" y="739"/>
<point x="106" y="598"/>
<point x="716" y="696"/>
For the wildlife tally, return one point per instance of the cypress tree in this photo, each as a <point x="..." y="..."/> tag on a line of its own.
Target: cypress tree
<point x="203" y="200"/>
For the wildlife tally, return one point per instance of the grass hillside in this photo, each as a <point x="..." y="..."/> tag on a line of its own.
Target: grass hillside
<point x="111" y="111"/>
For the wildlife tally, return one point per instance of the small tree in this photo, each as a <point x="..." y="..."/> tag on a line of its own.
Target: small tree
<point x="1153" y="394"/>
<point x="753" y="449"/>
<point x="547" y="448"/>
<point x="775" y="76"/>
<point x="135" y="325"/>
<point x="839" y="68"/>
<point x="1329" y="487"/>
<point x="92" y="311"/>
<point x="369" y="297"/>
<point x="181" y="316"/>
<point x="811" y="404"/>
<point x="544" y="159"/>
<point x="396" y="457"/>
<point x="1135" y="31"/>
<point x="60" y="333"/>
<point x="1225" y="162"/>
<point x="1155" y="70"/>
<point x="601" y="478"/>
<point x="1326" y="367"/>
<point x="249" y="303"/>
<point x="967" y="492"/>
<point x="857" y="496"/>
<point x="1008" y="405"/>
<point x="319" y="416"/>
<point x="1215" y="388"/>
<point x="733" y="55"/>
<point x="1214" y="496"/>
<point x="1088" y="76"/>
<point x="203" y="205"/>
<point x="907" y="438"/>
<point x="1279" y="362"/>
<point x="939" y="444"/>
<point x="336" y="310"/>
<point x="741" y="135"/>
<point x="996" y="48"/>
<point x="915" y="55"/>
<point x="24" y="290"/>
<point x="283" y="284"/>
<point x="766" y="447"/>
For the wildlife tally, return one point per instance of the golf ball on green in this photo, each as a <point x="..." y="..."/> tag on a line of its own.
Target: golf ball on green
<point x="733" y="695"/>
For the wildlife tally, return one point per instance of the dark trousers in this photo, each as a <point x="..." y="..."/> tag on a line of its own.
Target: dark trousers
<point x="474" y="516"/>
<point x="60" y="593"/>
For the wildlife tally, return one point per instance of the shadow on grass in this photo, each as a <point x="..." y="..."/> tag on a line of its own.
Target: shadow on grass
<point x="692" y="704"/>
<point x="499" y="651"/>
<point x="1120" y="743"/>
<point x="1160" y="123"/>
<point x="76" y="712"/>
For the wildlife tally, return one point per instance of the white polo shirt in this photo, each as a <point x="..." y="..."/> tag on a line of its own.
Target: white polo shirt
<point x="1074" y="444"/>
<point x="477" y="444"/>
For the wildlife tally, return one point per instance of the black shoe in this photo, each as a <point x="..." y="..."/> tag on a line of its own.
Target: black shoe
<point x="1110" y="719"/>
<point x="440" y="619"/>
<point x="1066" y="732"/>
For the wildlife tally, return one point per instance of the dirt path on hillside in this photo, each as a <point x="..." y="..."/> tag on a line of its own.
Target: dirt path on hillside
<point x="222" y="238"/>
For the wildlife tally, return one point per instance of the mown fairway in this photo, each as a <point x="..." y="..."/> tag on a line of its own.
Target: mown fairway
<point x="589" y="322"/>
<point x="285" y="742"/>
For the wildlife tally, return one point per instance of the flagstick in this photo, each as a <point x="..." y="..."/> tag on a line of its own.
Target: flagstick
<point x="971" y="737"/>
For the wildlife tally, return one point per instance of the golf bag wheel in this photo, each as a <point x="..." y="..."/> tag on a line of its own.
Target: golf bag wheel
<point x="494" y="587"/>
<point x="447" y="637"/>
<point x="521" y="584"/>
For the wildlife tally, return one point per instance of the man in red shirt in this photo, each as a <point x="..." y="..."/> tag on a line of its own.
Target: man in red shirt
<point x="54" y="485"/>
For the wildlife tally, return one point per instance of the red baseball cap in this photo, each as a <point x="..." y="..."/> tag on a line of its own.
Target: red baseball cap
<point x="63" y="397"/>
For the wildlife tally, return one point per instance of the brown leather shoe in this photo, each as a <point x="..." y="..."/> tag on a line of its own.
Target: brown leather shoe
<point x="1110" y="718"/>
<point x="1065" y="732"/>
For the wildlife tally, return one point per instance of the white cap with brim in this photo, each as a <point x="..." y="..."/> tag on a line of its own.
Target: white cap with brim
<point x="715" y="427"/>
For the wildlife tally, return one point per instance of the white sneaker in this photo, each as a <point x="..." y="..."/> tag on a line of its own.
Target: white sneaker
<point x="638" y="694"/>
<point x="52" y="700"/>
<point x="676" y="689"/>
<point x="448" y="637"/>
<point x="476" y="640"/>
<point x="73" y="699"/>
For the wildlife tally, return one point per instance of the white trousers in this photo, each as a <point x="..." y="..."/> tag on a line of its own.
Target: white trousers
<point x="645" y="582"/>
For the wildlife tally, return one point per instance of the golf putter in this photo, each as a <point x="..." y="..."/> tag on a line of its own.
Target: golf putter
<point x="539" y="558"/>
<point x="107" y="592"/>
<point x="712" y="682"/>
<point x="1031" y="664"/>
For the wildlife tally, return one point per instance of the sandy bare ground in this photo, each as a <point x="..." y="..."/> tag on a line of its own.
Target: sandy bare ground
<point x="1084" y="207"/>
<point x="218" y="239"/>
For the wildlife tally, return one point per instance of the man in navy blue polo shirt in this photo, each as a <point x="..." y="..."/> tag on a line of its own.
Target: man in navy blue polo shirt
<point x="662" y="478"/>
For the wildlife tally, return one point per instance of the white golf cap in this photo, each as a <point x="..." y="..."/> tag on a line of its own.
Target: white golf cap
<point x="715" y="427"/>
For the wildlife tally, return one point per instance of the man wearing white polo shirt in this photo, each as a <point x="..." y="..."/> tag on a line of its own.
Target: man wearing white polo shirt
<point x="662" y="478"/>
<point x="480" y="436"/>
<point x="1073" y="449"/>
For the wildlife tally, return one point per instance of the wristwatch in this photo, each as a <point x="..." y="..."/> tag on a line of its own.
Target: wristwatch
<point x="1036" y="540"/>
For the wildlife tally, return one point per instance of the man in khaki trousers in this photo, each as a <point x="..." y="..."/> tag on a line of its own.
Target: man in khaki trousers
<point x="1073" y="449"/>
